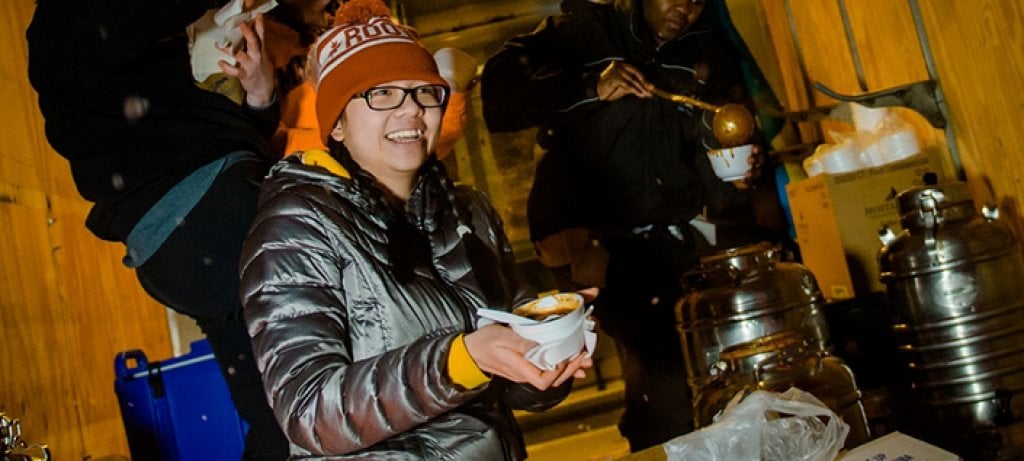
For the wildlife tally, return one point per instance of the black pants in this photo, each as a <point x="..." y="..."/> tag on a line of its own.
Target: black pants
<point x="637" y="309"/>
<point x="195" y="273"/>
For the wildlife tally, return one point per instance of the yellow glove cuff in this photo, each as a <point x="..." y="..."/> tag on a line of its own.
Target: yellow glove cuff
<point x="461" y="367"/>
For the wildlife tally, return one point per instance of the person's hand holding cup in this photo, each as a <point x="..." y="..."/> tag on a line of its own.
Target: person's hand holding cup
<point x="560" y="331"/>
<point x="556" y="337"/>
<point x="740" y="165"/>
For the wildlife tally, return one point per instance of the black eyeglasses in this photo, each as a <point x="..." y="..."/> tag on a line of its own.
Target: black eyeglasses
<point x="390" y="97"/>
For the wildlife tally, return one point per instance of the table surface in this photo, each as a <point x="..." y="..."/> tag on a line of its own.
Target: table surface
<point x="655" y="453"/>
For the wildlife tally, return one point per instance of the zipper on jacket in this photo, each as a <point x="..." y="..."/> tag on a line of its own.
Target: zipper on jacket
<point x="446" y="286"/>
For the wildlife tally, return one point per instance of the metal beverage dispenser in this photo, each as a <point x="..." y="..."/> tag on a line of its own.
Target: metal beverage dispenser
<point x="740" y="295"/>
<point x="752" y="321"/>
<point x="955" y="283"/>
<point x="776" y="363"/>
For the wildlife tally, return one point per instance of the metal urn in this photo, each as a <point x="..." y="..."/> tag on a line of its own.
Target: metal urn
<point x="740" y="295"/>
<point x="955" y="283"/>
<point x="776" y="363"/>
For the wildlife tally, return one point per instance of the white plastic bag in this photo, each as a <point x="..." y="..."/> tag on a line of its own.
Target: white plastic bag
<point x="766" y="426"/>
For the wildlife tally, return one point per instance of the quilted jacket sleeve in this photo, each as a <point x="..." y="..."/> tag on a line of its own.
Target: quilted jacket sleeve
<point x="326" y="402"/>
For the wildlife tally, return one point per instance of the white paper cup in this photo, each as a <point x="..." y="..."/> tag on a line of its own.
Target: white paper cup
<point x="558" y="338"/>
<point x="457" y="67"/>
<point x="552" y="304"/>
<point x="730" y="163"/>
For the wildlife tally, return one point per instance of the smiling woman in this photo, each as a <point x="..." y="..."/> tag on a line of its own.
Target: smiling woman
<point x="365" y="267"/>
<point x="391" y="135"/>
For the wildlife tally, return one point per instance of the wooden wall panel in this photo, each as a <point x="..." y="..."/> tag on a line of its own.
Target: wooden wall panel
<point x="887" y="43"/>
<point x="979" y="53"/>
<point x="811" y="43"/>
<point x="28" y="279"/>
<point x="891" y="55"/>
<point x="33" y="385"/>
<point x="795" y="95"/>
<point x="67" y="305"/>
<point x="822" y="42"/>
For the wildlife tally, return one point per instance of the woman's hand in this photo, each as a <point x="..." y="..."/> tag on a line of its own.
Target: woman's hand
<point x="576" y="366"/>
<point x="573" y="368"/>
<point x="620" y="79"/>
<point x="252" y="66"/>
<point x="498" y="350"/>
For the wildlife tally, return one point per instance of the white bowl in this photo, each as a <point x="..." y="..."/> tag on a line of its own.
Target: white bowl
<point x="730" y="163"/>
<point x="558" y="338"/>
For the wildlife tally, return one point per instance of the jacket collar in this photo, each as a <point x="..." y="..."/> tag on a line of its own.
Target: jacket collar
<point x="320" y="167"/>
<point x="320" y="158"/>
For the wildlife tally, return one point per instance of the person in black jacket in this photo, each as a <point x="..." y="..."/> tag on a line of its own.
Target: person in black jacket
<point x="173" y="170"/>
<point x="625" y="195"/>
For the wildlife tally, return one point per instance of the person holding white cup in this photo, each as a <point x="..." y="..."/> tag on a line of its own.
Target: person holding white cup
<point x="366" y="265"/>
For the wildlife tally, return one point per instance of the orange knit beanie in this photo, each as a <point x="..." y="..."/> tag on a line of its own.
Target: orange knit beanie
<point x="365" y="48"/>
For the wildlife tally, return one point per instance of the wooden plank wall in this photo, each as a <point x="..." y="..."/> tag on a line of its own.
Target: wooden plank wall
<point x="67" y="306"/>
<point x="978" y="51"/>
<point x="980" y="58"/>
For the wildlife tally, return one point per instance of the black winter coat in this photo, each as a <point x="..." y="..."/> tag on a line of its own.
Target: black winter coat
<point x="622" y="164"/>
<point x="116" y="91"/>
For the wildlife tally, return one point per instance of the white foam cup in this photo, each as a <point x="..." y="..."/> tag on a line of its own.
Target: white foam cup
<point x="841" y="158"/>
<point x="730" y="163"/>
<point x="899" y="145"/>
<point x="812" y="166"/>
<point x="558" y="338"/>
<point x="871" y="154"/>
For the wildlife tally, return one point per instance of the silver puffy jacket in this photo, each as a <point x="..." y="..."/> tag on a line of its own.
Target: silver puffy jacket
<point x="353" y="361"/>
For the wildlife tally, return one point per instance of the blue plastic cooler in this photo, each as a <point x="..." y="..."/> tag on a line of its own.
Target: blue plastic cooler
<point x="178" y="409"/>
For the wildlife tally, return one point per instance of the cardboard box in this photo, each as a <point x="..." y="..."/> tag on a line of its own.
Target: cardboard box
<point x="837" y="218"/>
<point x="897" y="446"/>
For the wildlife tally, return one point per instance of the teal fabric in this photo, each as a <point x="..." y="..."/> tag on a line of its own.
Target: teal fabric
<point x="160" y="221"/>
<point x="763" y="96"/>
